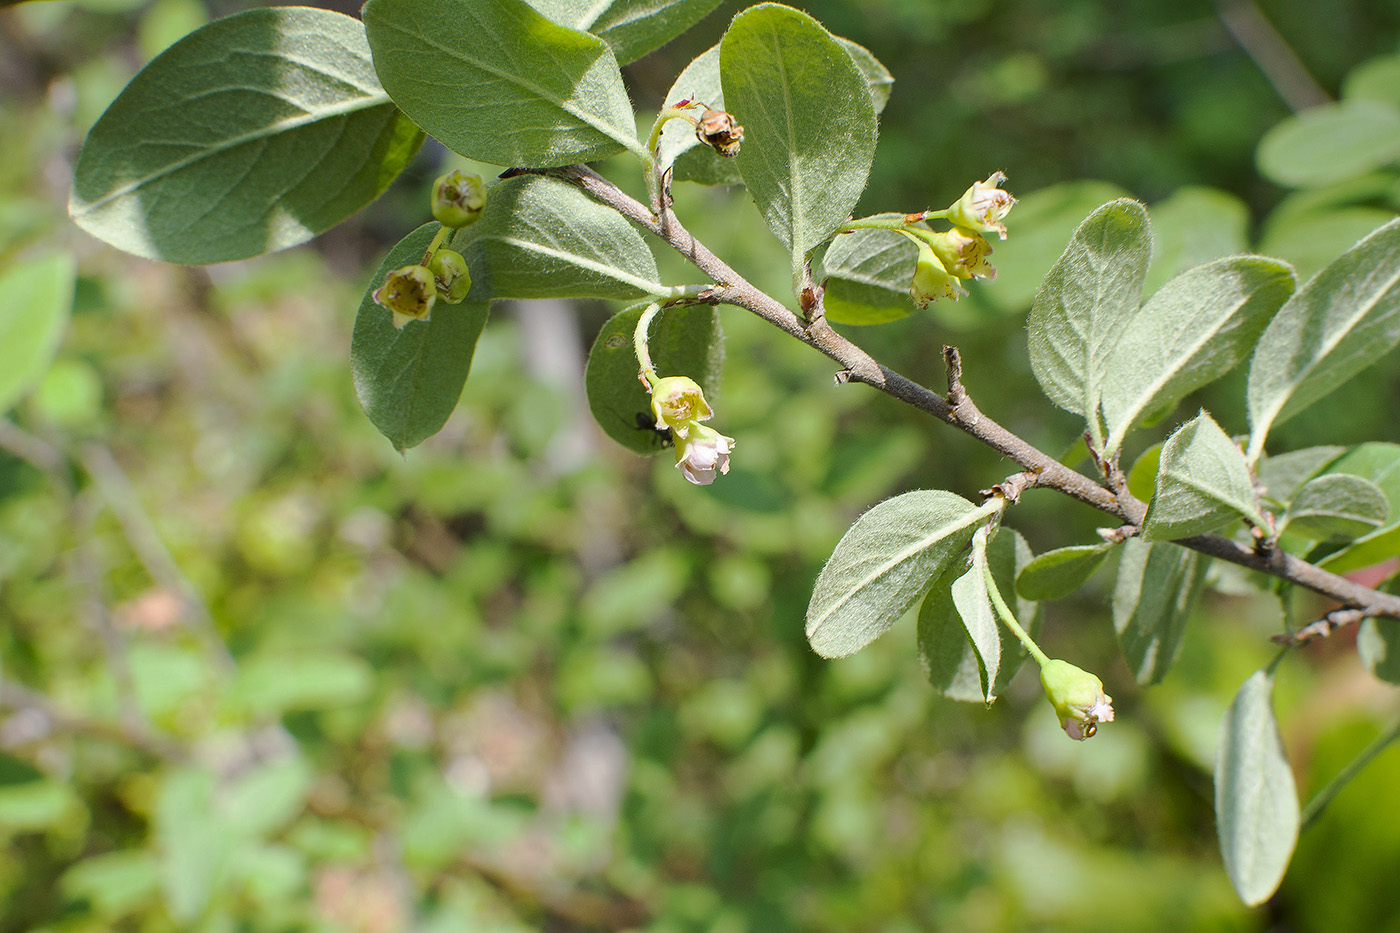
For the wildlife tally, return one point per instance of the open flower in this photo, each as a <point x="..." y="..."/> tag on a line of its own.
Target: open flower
<point x="982" y="206"/>
<point x="704" y="453"/>
<point x="932" y="280"/>
<point x="1078" y="698"/>
<point x="679" y="404"/>
<point x="409" y="292"/>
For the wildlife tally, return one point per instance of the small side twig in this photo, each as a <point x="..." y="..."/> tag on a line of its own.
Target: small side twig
<point x="1329" y="623"/>
<point x="953" y="359"/>
<point x="21" y="701"/>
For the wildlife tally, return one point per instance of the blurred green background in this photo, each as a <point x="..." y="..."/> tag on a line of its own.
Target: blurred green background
<point x="260" y="673"/>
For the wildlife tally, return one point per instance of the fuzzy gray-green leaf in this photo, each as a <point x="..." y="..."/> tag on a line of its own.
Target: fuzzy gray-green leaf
<point x="883" y="564"/>
<point x="1284" y="474"/>
<point x="1378" y="462"/>
<point x="869" y="274"/>
<point x="1055" y="574"/>
<point x="808" y="119"/>
<point x="979" y="619"/>
<point x="1203" y="484"/>
<point x="1192" y="331"/>
<point x="631" y="27"/>
<point x="252" y="134"/>
<point x="1336" y="505"/>
<point x="1343" y="320"/>
<point x="1378" y="646"/>
<point x="498" y="82"/>
<point x="1085" y="303"/>
<point x="947" y="653"/>
<point x="1153" y="596"/>
<point x="408" y="381"/>
<point x="540" y="237"/>
<point x="1256" y="802"/>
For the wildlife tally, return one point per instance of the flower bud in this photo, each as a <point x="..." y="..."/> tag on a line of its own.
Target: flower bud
<point x="704" y="454"/>
<point x="1078" y="698"/>
<point x="932" y="280"/>
<point x="679" y="403"/>
<point x="458" y="199"/>
<point x="717" y="129"/>
<point x="450" y="275"/>
<point x="409" y="293"/>
<point x="982" y="206"/>
<point x="963" y="253"/>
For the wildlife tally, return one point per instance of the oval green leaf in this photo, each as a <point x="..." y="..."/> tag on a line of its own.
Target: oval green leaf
<point x="1203" y="484"/>
<point x="1055" y="574"/>
<point x="1336" y="506"/>
<point x="948" y="655"/>
<point x="252" y="134"/>
<point x="631" y="27"/>
<point x="1343" y="320"/>
<point x="1153" y="595"/>
<point x="883" y="564"/>
<point x="540" y="237"/>
<point x="808" y="119"/>
<point x="684" y="341"/>
<point x="1330" y="143"/>
<point x="498" y="82"/>
<point x="408" y="381"/>
<point x="1378" y="645"/>
<point x="38" y="297"/>
<point x="1256" y="802"/>
<point x="1084" y="304"/>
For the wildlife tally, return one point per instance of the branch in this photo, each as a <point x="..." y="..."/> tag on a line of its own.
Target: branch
<point x="958" y="409"/>
<point x="21" y="700"/>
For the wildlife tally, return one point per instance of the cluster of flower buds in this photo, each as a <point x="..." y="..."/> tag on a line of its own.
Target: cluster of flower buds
<point x="948" y="257"/>
<point x="410" y="292"/>
<point x="701" y="452"/>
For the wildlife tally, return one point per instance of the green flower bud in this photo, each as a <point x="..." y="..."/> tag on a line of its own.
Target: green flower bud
<point x="932" y="280"/>
<point x="409" y="293"/>
<point x="458" y="199"/>
<point x="679" y="403"/>
<point x="962" y="252"/>
<point x="1078" y="698"/>
<point x="450" y="275"/>
<point x="982" y="207"/>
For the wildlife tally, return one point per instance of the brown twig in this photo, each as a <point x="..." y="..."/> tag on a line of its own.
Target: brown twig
<point x="859" y="366"/>
<point x="21" y="700"/>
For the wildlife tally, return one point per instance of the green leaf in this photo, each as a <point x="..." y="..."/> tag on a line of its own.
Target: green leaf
<point x="408" y="381"/>
<point x="1203" y="484"/>
<point x="35" y="806"/>
<point x="869" y="275"/>
<point x="1040" y="225"/>
<point x="1375" y="80"/>
<point x="268" y="797"/>
<point x="809" y="124"/>
<point x="1142" y="475"/>
<point x="700" y="81"/>
<point x="1084" y="304"/>
<point x="1192" y="331"/>
<point x="1256" y="803"/>
<point x="684" y="341"/>
<point x="979" y="618"/>
<point x="1153" y="596"/>
<point x="1193" y="227"/>
<point x="114" y="883"/>
<point x="1379" y="463"/>
<point x="1378" y="646"/>
<point x="498" y="82"/>
<point x="947" y="653"/>
<point x="1343" y="320"/>
<point x="883" y="564"/>
<point x="1055" y="574"/>
<point x="1336" y="505"/>
<point x="1329" y="143"/>
<point x="38" y="295"/>
<point x="252" y="134"/>
<point x="272" y="684"/>
<point x="1283" y="475"/>
<point x="540" y="237"/>
<point x="631" y="27"/>
<point x="193" y="842"/>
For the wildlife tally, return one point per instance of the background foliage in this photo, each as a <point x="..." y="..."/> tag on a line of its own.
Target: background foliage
<point x="260" y="672"/>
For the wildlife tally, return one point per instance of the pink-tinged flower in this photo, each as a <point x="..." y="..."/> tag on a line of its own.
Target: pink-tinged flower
<point x="704" y="453"/>
<point x="982" y="207"/>
<point x="1078" y="698"/>
<point x="679" y="403"/>
<point x="963" y="253"/>
<point x="932" y="280"/>
<point x="408" y="292"/>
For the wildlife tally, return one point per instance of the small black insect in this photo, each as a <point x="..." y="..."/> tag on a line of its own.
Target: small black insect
<point x="644" y="423"/>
